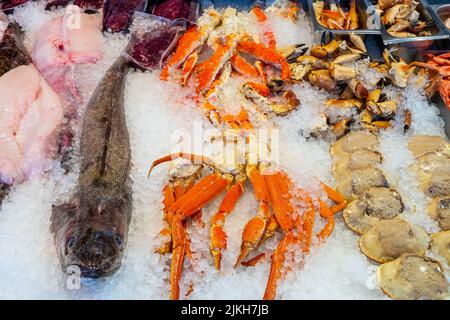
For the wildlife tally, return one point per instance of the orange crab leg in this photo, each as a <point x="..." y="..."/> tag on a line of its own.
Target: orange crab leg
<point x="200" y="195"/>
<point x="336" y="197"/>
<point x="208" y="70"/>
<point x="267" y="55"/>
<point x="278" y="258"/>
<point x="353" y="15"/>
<point x="261" y="17"/>
<point x="168" y="200"/>
<point x="178" y="253"/>
<point x="212" y="113"/>
<point x="253" y="261"/>
<point x="261" y="88"/>
<point x="255" y="228"/>
<point x="278" y="185"/>
<point x="326" y="213"/>
<point x="306" y="224"/>
<point x="444" y="91"/>
<point x="217" y="234"/>
<point x="188" y="68"/>
<point x="259" y="13"/>
<point x="329" y="212"/>
<point x="187" y="44"/>
<point x="243" y="67"/>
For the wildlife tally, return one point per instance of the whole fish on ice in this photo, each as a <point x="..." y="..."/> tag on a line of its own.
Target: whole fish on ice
<point x="91" y="230"/>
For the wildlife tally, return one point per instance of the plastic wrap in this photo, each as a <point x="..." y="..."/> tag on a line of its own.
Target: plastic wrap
<point x="119" y="13"/>
<point x="152" y="40"/>
<point x="10" y="4"/>
<point x="176" y="9"/>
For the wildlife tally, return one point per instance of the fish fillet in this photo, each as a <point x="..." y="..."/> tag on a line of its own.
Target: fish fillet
<point x="30" y="113"/>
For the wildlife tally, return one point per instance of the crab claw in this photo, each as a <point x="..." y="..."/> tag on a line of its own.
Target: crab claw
<point x="251" y="237"/>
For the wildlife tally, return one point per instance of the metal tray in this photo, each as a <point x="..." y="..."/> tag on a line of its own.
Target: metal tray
<point x="363" y="12"/>
<point x="440" y="9"/>
<point x="425" y="10"/>
<point x="444" y="113"/>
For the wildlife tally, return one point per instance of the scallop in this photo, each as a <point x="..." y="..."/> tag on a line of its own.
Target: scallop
<point x="375" y="204"/>
<point x="360" y="159"/>
<point x="440" y="243"/>
<point x="439" y="210"/>
<point x="435" y="163"/>
<point x="387" y="240"/>
<point x="436" y="186"/>
<point x="420" y="145"/>
<point x="354" y="141"/>
<point x="358" y="181"/>
<point x="413" y="277"/>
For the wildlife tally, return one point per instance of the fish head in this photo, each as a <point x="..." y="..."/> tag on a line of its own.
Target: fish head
<point x="94" y="240"/>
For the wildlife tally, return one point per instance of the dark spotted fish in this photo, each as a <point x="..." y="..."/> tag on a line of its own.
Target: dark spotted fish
<point x="91" y="230"/>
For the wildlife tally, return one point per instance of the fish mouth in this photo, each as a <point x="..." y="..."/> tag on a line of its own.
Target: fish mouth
<point x="87" y="271"/>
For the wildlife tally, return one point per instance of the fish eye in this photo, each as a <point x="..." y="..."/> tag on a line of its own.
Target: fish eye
<point x="118" y="240"/>
<point x="70" y="242"/>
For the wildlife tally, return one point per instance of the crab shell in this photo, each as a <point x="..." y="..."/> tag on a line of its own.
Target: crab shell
<point x="413" y="277"/>
<point x="354" y="141"/>
<point x="388" y="239"/>
<point x="440" y="243"/>
<point x="420" y="145"/>
<point x="374" y="205"/>
<point x="358" y="181"/>
<point x="439" y="210"/>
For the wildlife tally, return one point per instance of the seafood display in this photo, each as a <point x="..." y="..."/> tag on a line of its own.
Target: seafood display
<point x="432" y="155"/>
<point x="438" y="67"/>
<point x="207" y="150"/>
<point x="90" y="231"/>
<point x="405" y="19"/>
<point x="273" y="190"/>
<point x="334" y="15"/>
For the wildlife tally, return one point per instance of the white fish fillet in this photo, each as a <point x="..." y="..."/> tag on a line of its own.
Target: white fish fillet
<point x="30" y="113"/>
<point x="62" y="43"/>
